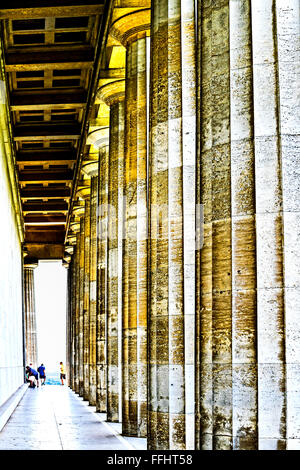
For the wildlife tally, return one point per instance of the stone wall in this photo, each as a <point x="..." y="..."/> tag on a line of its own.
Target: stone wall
<point x="11" y="331"/>
<point x="11" y="316"/>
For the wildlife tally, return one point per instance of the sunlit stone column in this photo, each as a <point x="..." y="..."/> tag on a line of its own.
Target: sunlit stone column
<point x="133" y="32"/>
<point x="75" y="227"/>
<point x="247" y="330"/>
<point x="66" y="264"/>
<point x="244" y="318"/>
<point x="215" y="392"/>
<point x="113" y="95"/>
<point x="30" y="314"/>
<point x="226" y="311"/>
<point x="90" y="169"/>
<point x="78" y="211"/>
<point x="288" y="41"/>
<point x="83" y="193"/>
<point x="270" y="161"/>
<point x="172" y="226"/>
<point x="72" y="307"/>
<point x="101" y="327"/>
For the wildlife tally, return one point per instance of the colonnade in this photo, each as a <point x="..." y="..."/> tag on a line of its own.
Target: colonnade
<point x="188" y="332"/>
<point x="30" y="333"/>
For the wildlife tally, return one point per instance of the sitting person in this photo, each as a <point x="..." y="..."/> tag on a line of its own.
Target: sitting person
<point x="32" y="376"/>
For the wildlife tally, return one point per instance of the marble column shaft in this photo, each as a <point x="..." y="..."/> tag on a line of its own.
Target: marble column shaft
<point x="172" y="225"/>
<point x="288" y="42"/>
<point x="114" y="249"/>
<point x="134" y="417"/>
<point x="30" y="317"/>
<point x="73" y="319"/>
<point x="77" y="314"/>
<point x="247" y="184"/>
<point x="101" y="327"/>
<point x="81" y="309"/>
<point x="86" y="301"/>
<point x="93" y="290"/>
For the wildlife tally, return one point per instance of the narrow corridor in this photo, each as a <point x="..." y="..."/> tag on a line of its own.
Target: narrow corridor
<point x="55" y="418"/>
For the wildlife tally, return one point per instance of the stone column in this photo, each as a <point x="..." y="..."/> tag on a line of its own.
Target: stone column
<point x="101" y="327"/>
<point x="133" y="32"/>
<point x="247" y="268"/>
<point x="75" y="227"/>
<point x="113" y="95"/>
<point x="90" y="169"/>
<point x="83" y="192"/>
<point x="172" y="226"/>
<point x="271" y="315"/>
<point x="78" y="211"/>
<point x="71" y="315"/>
<point x="65" y="263"/>
<point x="288" y="118"/>
<point x="30" y="314"/>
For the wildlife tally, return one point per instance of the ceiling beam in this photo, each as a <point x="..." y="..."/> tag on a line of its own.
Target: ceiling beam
<point x="48" y="99"/>
<point x="49" y="176"/>
<point x="45" y="207"/>
<point x="45" y="157"/>
<point x="44" y="250"/>
<point x="44" y="219"/>
<point x="17" y="10"/>
<point x="47" y="131"/>
<point x="46" y="193"/>
<point x="49" y="58"/>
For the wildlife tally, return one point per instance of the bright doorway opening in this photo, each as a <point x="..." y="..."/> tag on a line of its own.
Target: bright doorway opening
<point x="51" y="299"/>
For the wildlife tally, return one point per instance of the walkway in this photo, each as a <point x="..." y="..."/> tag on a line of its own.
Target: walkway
<point x="54" y="418"/>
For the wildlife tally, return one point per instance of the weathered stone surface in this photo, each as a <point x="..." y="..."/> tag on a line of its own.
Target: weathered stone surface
<point x="93" y="293"/>
<point x="101" y="378"/>
<point x="172" y="226"/>
<point x="134" y="417"/>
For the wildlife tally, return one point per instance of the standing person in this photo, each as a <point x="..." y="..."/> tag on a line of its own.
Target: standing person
<point x="41" y="371"/>
<point x="62" y="373"/>
<point x="32" y="372"/>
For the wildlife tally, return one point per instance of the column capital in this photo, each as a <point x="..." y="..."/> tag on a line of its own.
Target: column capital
<point x="78" y="212"/>
<point x="69" y="249"/>
<point x="67" y="257"/>
<point x="30" y="262"/>
<point x="98" y="138"/>
<point x="132" y="26"/>
<point x="84" y="189"/>
<point x="71" y="238"/>
<point x="112" y="92"/>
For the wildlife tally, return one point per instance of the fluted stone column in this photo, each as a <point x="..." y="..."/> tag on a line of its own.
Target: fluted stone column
<point x="90" y="168"/>
<point x="275" y="168"/>
<point x="75" y="227"/>
<point x="72" y="313"/>
<point x="101" y="326"/>
<point x="67" y="259"/>
<point x="216" y="255"/>
<point x="84" y="194"/>
<point x="247" y="181"/>
<point x="78" y="211"/>
<point x="30" y="314"/>
<point x="113" y="95"/>
<point x="133" y="32"/>
<point x="172" y="226"/>
<point x="288" y="119"/>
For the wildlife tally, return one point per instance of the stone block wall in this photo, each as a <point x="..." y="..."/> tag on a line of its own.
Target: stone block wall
<point x="11" y="330"/>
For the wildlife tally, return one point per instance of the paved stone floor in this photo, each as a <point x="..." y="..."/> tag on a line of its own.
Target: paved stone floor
<point x="54" y="418"/>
